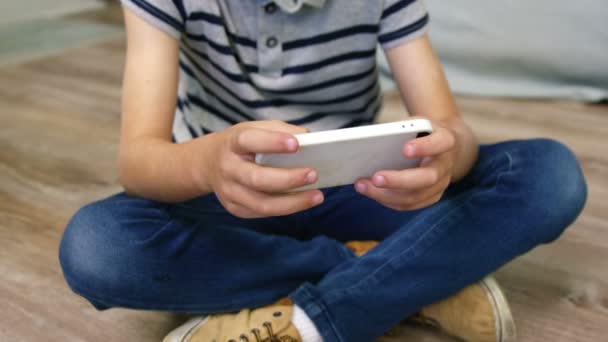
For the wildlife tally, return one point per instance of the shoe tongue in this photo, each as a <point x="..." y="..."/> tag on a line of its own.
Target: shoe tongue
<point x="279" y="316"/>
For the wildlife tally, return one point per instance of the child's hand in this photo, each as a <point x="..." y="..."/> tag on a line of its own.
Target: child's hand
<point x="418" y="187"/>
<point x="249" y="190"/>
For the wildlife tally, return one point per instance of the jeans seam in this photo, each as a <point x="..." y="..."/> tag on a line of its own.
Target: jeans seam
<point x="328" y="319"/>
<point x="155" y="234"/>
<point x="315" y="303"/>
<point x="510" y="166"/>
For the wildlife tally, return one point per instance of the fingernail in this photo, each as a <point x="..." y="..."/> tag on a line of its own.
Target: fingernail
<point x="410" y="150"/>
<point x="360" y="187"/>
<point x="379" y="181"/>
<point x="311" y="177"/>
<point x="291" y="144"/>
<point x="317" y="199"/>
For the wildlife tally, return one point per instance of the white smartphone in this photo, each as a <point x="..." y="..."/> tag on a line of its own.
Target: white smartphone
<point x="342" y="156"/>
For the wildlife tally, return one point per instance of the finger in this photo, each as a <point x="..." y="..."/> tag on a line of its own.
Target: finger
<point x="291" y="129"/>
<point x="431" y="171"/>
<point x="425" y="161"/>
<point x="425" y="203"/>
<point x="410" y="179"/>
<point x="255" y="140"/>
<point x="384" y="196"/>
<point x="271" y="179"/>
<point x="438" y="142"/>
<point x="401" y="200"/>
<point x="279" y="126"/>
<point x="267" y="205"/>
<point x="239" y="210"/>
<point x="422" y="198"/>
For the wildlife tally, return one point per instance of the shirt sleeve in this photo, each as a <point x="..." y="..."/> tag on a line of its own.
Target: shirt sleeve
<point x="167" y="15"/>
<point x="401" y="22"/>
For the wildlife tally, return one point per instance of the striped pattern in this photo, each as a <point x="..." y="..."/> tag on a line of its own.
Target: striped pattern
<point x="322" y="75"/>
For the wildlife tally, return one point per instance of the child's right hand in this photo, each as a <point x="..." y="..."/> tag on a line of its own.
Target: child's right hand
<point x="248" y="190"/>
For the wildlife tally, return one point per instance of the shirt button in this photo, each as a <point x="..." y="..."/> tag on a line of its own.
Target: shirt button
<point x="270" y="8"/>
<point x="272" y="42"/>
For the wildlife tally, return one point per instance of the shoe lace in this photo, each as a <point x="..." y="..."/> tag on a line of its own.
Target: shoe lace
<point x="424" y="320"/>
<point x="258" y="336"/>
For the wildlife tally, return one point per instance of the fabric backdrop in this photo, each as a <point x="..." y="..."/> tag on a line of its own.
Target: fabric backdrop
<point x="520" y="48"/>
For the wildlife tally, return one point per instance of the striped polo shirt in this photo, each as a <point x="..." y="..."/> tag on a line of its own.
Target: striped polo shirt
<point x="307" y="62"/>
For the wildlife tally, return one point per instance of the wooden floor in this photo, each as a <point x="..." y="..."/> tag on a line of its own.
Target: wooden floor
<point x="59" y="123"/>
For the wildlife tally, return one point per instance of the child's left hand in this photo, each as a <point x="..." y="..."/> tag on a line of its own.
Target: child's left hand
<point x="417" y="187"/>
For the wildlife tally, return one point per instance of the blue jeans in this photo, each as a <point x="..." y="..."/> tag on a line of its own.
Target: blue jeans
<point x="195" y="257"/>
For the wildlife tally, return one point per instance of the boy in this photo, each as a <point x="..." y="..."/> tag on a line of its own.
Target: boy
<point x="203" y="229"/>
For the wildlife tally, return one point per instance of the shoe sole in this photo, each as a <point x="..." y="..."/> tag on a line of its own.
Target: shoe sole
<point x="182" y="333"/>
<point x="505" y="324"/>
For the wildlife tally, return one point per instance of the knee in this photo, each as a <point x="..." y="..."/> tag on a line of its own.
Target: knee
<point x="554" y="190"/>
<point x="89" y="252"/>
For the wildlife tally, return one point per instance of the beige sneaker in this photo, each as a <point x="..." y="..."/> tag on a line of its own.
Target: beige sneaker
<point x="267" y="324"/>
<point x="479" y="313"/>
<point x="361" y="247"/>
